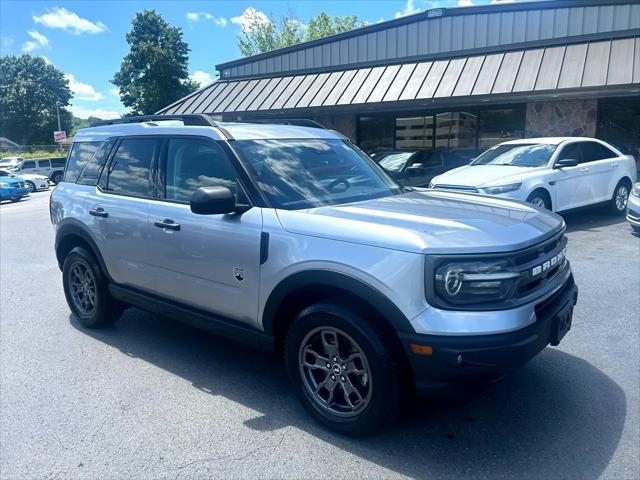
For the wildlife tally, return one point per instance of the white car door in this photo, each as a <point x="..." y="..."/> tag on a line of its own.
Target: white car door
<point x="571" y="183"/>
<point x="605" y="168"/>
<point x="44" y="167"/>
<point x="29" y="166"/>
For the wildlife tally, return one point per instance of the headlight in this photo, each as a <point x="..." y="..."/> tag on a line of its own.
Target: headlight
<point x="431" y="184"/>
<point x="635" y="191"/>
<point x="475" y="282"/>
<point x="4" y="185"/>
<point x="502" y="188"/>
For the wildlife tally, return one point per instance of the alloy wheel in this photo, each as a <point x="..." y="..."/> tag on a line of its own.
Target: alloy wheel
<point x="335" y="372"/>
<point x="538" y="202"/>
<point x="83" y="288"/>
<point x="622" y="195"/>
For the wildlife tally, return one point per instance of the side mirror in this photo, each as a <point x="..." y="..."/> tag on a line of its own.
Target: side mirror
<point x="213" y="201"/>
<point x="566" y="162"/>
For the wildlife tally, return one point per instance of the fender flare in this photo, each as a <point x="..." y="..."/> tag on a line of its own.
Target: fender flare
<point x="73" y="227"/>
<point x="329" y="278"/>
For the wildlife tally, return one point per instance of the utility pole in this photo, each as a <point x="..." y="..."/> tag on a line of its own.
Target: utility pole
<point x="59" y="126"/>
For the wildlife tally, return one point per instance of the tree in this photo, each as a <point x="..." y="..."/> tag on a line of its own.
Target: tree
<point x="324" y="25"/>
<point x="262" y="34"/>
<point x="154" y="72"/>
<point x="29" y="90"/>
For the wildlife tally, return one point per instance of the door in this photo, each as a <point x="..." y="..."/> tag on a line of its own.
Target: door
<point x="604" y="166"/>
<point x="210" y="262"/>
<point x="29" y="166"/>
<point x="571" y="183"/>
<point x="118" y="212"/>
<point x="44" y="167"/>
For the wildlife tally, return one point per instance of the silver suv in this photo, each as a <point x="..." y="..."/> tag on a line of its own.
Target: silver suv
<point x="290" y="239"/>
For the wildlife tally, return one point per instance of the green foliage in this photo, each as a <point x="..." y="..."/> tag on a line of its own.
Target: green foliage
<point x="262" y="34"/>
<point x="154" y="72"/>
<point x="324" y="25"/>
<point x="79" y="123"/>
<point x="38" y="154"/>
<point x="29" y="90"/>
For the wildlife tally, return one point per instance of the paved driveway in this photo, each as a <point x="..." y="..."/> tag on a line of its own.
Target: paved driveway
<point x="150" y="398"/>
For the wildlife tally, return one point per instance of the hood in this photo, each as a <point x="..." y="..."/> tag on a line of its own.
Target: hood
<point x="483" y="175"/>
<point x="33" y="176"/>
<point x="428" y="221"/>
<point x="11" y="180"/>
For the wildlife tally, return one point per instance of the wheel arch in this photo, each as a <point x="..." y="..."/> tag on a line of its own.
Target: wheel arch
<point x="543" y="189"/>
<point x="72" y="235"/>
<point x="303" y="289"/>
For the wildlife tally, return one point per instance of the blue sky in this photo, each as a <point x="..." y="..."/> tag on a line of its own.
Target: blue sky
<point x="86" y="39"/>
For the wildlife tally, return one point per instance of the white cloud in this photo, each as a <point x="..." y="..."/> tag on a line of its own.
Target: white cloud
<point x="63" y="19"/>
<point x="115" y="92"/>
<point x="82" y="112"/>
<point x="201" y="78"/>
<point x="495" y="2"/>
<point x="244" y="20"/>
<point x="82" y="91"/>
<point x="46" y="60"/>
<point x="409" y="9"/>
<point x="6" y="42"/>
<point x="465" y="3"/>
<point x="197" y="16"/>
<point x="39" y="41"/>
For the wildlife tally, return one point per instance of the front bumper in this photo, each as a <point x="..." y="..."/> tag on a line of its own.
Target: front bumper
<point x="456" y="358"/>
<point x="13" y="193"/>
<point x="633" y="210"/>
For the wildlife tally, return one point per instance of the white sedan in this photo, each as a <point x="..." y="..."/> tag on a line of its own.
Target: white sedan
<point x="554" y="173"/>
<point x="33" y="182"/>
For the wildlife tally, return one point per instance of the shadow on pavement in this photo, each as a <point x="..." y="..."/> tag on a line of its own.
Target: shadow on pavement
<point x="590" y="218"/>
<point x="557" y="417"/>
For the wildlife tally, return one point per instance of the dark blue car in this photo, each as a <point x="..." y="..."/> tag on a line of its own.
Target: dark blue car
<point x="11" y="187"/>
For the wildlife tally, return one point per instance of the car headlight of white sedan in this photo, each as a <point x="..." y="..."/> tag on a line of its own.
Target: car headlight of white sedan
<point x="512" y="187"/>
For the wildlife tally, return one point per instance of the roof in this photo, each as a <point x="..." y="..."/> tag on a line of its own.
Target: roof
<point x="543" y="140"/>
<point x="224" y="130"/>
<point x="588" y="67"/>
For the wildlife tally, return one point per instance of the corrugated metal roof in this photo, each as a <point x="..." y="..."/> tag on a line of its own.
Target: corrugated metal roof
<point x="579" y="66"/>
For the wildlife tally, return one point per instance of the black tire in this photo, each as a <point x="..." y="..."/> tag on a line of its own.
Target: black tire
<point x="383" y="386"/>
<point x="14" y="200"/>
<point x="32" y="186"/>
<point x="539" y="198"/>
<point x="617" y="204"/>
<point x="57" y="178"/>
<point x="106" y="310"/>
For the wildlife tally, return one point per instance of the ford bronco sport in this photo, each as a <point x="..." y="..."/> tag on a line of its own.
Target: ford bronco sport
<point x="290" y="239"/>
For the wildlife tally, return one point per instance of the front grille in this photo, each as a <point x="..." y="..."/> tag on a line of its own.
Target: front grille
<point x="539" y="265"/>
<point x="460" y="188"/>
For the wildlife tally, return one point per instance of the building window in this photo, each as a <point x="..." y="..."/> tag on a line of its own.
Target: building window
<point x="376" y="133"/>
<point x="414" y="132"/>
<point x="456" y="131"/>
<point x="497" y="126"/>
<point x="619" y="124"/>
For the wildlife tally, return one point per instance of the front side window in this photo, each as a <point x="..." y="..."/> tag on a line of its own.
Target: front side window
<point x="296" y="174"/>
<point x="80" y="154"/>
<point x="571" y="152"/>
<point x="517" y="155"/>
<point x="193" y="163"/>
<point x="130" y="168"/>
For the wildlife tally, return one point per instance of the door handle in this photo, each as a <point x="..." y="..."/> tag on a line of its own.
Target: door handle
<point x="614" y="164"/>
<point x="99" y="212"/>
<point x="584" y="169"/>
<point x="167" y="223"/>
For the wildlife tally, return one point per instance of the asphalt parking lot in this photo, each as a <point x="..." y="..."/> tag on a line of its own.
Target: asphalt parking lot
<point x="150" y="398"/>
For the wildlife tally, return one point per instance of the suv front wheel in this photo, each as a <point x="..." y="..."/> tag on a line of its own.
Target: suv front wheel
<point x="343" y="369"/>
<point x="87" y="292"/>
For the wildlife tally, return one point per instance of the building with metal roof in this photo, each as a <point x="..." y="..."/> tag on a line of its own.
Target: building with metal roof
<point x="459" y="79"/>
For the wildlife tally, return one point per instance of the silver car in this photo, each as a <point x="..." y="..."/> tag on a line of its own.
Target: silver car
<point x="290" y="239"/>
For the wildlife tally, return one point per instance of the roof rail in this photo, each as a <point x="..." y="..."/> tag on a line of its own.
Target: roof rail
<point x="298" y="122"/>
<point x="195" y="119"/>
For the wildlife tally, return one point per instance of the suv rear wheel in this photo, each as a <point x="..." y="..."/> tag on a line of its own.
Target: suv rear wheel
<point x="343" y="370"/>
<point x="86" y="290"/>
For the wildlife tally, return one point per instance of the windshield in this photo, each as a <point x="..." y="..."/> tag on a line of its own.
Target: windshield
<point x="517" y="155"/>
<point x="394" y="162"/>
<point x="295" y="174"/>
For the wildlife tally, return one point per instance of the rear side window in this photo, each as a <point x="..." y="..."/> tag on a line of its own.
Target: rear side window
<point x="58" y="162"/>
<point x="94" y="166"/>
<point x="592" y="151"/>
<point x="130" y="167"/>
<point x="80" y="154"/>
<point x="44" y="164"/>
<point x="29" y="164"/>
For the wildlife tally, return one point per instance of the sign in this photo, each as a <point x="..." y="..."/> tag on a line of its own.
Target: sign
<point x="59" y="136"/>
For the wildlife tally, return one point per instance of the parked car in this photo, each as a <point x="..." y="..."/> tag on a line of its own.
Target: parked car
<point x="50" y="167"/>
<point x="33" y="182"/>
<point x="290" y="239"/>
<point x="57" y="169"/>
<point x="12" y="188"/>
<point x="633" y="208"/>
<point x="553" y="173"/>
<point x="415" y="168"/>
<point x="10" y="163"/>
